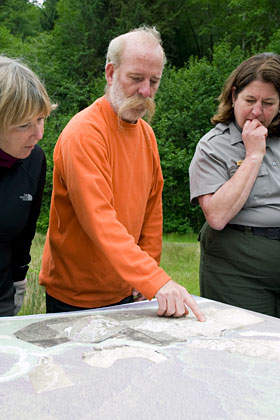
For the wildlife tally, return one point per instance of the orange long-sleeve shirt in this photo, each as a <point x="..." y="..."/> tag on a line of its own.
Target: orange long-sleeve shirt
<point x="105" y="230"/>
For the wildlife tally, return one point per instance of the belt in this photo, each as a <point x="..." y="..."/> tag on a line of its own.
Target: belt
<point x="267" y="232"/>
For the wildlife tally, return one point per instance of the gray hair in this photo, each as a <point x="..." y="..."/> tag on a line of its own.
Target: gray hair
<point x="117" y="45"/>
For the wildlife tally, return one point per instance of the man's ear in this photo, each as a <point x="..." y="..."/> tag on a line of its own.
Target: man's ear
<point x="109" y="72"/>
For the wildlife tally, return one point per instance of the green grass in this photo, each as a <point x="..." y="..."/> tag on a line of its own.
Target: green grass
<point x="34" y="299"/>
<point x="179" y="237"/>
<point x="180" y="259"/>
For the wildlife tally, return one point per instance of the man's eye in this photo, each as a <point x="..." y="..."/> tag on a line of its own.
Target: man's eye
<point x="250" y="101"/>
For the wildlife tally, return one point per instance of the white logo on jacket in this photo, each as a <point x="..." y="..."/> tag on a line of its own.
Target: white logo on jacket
<point x="26" y="197"/>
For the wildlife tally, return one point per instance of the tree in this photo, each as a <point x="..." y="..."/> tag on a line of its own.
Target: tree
<point x="49" y="14"/>
<point x="65" y="43"/>
<point x="21" y="17"/>
<point x="186" y="101"/>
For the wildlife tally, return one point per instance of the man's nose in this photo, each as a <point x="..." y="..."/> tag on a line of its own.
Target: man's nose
<point x="145" y="89"/>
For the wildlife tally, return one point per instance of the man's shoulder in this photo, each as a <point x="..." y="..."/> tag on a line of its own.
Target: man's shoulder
<point x="87" y="120"/>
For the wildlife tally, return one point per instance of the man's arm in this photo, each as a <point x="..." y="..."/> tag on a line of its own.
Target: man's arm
<point x="87" y="174"/>
<point x="151" y="234"/>
<point x="86" y="170"/>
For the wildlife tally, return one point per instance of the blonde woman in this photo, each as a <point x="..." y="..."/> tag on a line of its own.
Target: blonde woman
<point x="24" y="105"/>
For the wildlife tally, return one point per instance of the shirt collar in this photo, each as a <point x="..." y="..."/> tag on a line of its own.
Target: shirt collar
<point x="235" y="133"/>
<point x="7" y="160"/>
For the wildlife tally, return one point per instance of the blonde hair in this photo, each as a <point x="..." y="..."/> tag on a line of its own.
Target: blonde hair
<point x="117" y="45"/>
<point x="22" y="95"/>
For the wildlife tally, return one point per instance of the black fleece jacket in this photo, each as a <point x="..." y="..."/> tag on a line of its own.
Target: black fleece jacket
<point x="21" y="190"/>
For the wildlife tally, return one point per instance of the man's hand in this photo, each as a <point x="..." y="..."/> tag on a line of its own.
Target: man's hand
<point x="173" y="300"/>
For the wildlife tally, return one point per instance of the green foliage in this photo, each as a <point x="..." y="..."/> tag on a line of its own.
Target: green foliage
<point x="274" y="44"/>
<point x="53" y="126"/>
<point x="21" y="17"/>
<point x="65" y="43"/>
<point x="185" y="103"/>
<point x="10" y="44"/>
<point x="48" y="15"/>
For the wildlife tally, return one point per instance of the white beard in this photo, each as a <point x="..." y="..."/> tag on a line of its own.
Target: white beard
<point x="129" y="109"/>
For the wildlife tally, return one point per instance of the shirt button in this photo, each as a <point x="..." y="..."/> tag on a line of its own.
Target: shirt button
<point x="274" y="163"/>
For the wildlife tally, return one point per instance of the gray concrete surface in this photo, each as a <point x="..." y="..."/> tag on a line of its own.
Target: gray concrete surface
<point x="126" y="363"/>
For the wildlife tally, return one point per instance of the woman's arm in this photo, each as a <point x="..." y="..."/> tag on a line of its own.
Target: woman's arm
<point x="220" y="207"/>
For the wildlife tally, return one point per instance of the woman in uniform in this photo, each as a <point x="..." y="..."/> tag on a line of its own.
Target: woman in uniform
<point x="235" y="178"/>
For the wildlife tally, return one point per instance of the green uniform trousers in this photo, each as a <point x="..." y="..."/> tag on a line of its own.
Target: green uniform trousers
<point x="240" y="269"/>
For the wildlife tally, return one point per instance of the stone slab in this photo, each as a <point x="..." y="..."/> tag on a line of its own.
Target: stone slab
<point x="126" y="363"/>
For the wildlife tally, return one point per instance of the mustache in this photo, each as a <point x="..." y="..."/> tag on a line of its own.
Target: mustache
<point x="138" y="102"/>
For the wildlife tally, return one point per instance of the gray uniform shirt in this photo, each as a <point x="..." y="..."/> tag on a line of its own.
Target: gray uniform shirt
<point x="218" y="156"/>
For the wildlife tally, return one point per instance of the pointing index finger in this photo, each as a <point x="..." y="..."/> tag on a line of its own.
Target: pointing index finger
<point x="191" y="303"/>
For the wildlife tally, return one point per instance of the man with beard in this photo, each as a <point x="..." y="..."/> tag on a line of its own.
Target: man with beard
<point x="104" y="241"/>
